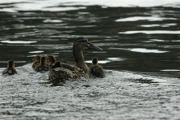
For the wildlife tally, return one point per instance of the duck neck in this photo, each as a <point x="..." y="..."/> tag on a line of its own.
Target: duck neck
<point x="79" y="59"/>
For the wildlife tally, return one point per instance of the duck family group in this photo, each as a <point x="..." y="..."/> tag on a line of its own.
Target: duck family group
<point x="59" y="71"/>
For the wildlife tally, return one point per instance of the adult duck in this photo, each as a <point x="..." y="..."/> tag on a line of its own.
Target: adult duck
<point x="10" y="70"/>
<point x="96" y="70"/>
<point x="80" y="69"/>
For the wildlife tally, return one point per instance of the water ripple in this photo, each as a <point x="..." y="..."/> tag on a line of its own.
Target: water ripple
<point x="50" y="5"/>
<point x="144" y="50"/>
<point x="158" y="25"/>
<point x="99" y="61"/>
<point x="18" y="42"/>
<point x="36" y="52"/>
<point x="138" y="18"/>
<point x="52" y="21"/>
<point x="151" y="32"/>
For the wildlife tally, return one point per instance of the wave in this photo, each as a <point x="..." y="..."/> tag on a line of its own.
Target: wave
<point x="52" y="5"/>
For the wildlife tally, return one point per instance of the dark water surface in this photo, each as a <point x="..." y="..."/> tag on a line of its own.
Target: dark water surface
<point x="144" y="41"/>
<point x="133" y="38"/>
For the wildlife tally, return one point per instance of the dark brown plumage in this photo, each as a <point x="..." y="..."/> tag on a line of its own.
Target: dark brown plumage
<point x="40" y="64"/>
<point x="96" y="70"/>
<point x="80" y="69"/>
<point x="37" y="63"/>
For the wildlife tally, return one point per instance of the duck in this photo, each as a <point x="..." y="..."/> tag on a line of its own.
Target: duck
<point x="37" y="63"/>
<point x="10" y="70"/>
<point x="52" y="63"/>
<point x="96" y="70"/>
<point x="79" y="69"/>
<point x="40" y="64"/>
<point x="66" y="70"/>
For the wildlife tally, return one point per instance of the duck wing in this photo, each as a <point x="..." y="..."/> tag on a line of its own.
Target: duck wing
<point x="59" y="75"/>
<point x="76" y="70"/>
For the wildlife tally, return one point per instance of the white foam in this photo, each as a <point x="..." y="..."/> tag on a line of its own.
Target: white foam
<point x="115" y="94"/>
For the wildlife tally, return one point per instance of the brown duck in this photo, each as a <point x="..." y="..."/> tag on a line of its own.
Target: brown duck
<point x="80" y="69"/>
<point x="40" y="64"/>
<point x="10" y="70"/>
<point x="37" y="63"/>
<point x="96" y="69"/>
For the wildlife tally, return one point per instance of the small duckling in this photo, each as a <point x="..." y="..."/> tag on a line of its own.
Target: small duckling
<point x="10" y="70"/>
<point x="96" y="70"/>
<point x="44" y="66"/>
<point x="54" y="64"/>
<point x="51" y="62"/>
<point x="40" y="64"/>
<point x="37" y="63"/>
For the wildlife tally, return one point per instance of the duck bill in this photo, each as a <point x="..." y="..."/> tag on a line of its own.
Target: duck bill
<point x="93" y="47"/>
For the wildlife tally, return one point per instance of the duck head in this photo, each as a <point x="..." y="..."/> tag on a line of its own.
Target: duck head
<point x="11" y="64"/>
<point x="95" y="61"/>
<point x="51" y="60"/>
<point x="43" y="60"/>
<point x="82" y="44"/>
<point x="37" y="59"/>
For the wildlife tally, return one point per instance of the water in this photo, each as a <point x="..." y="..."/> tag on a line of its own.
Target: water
<point x="140" y="42"/>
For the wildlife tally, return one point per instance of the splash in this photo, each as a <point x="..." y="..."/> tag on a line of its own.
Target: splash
<point x="27" y="96"/>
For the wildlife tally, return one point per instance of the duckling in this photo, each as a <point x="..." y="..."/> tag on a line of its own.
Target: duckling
<point x="44" y="65"/>
<point x="40" y="64"/>
<point x="80" y="69"/>
<point x="52" y="63"/>
<point x="96" y="69"/>
<point x="37" y="63"/>
<point x="10" y="70"/>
